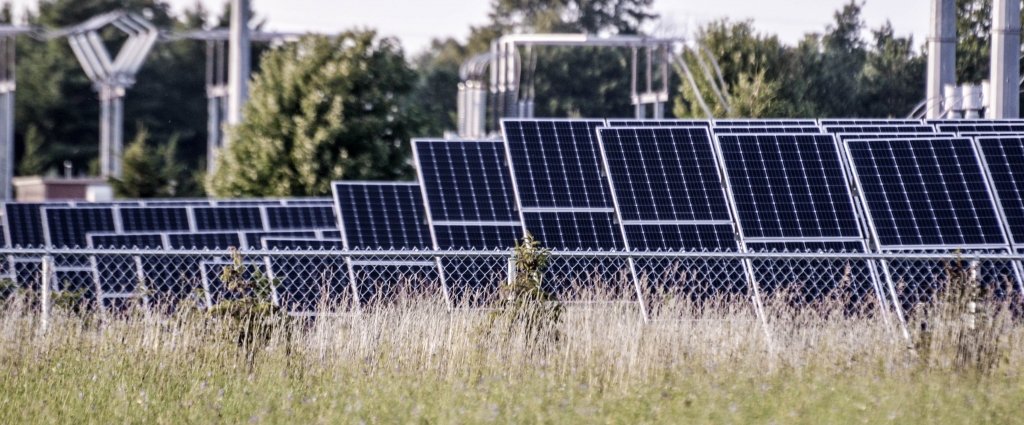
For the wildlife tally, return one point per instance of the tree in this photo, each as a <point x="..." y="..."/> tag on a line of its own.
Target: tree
<point x="151" y="171"/>
<point x="434" y="97"/>
<point x="890" y="82"/>
<point x="321" y="109"/>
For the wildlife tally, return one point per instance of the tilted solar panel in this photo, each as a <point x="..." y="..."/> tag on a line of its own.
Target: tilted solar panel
<point x="668" y="188"/>
<point x="762" y="129"/>
<point x="300" y="217"/>
<point x="867" y="121"/>
<point x="154" y="219"/>
<point x="658" y="123"/>
<point x="309" y="284"/>
<point x="980" y="127"/>
<point x="765" y="123"/>
<point x="563" y="196"/>
<point x="381" y="215"/>
<point x="926" y="193"/>
<point x="1004" y="160"/>
<point x="467" y="189"/>
<point x="790" y="192"/>
<point x="66" y="227"/>
<point x="789" y="187"/>
<point x="228" y="218"/>
<point x="879" y="128"/>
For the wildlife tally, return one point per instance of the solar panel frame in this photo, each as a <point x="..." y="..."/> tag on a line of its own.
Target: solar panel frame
<point x="1009" y="200"/>
<point x="542" y="218"/>
<point x="773" y="122"/>
<point x="658" y="123"/>
<point x="767" y="129"/>
<point x="870" y="212"/>
<point x="826" y="122"/>
<point x="419" y="241"/>
<point x="497" y="218"/>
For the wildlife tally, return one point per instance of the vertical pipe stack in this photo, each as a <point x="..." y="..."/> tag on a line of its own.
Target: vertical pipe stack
<point x="941" y="54"/>
<point x="1005" y="71"/>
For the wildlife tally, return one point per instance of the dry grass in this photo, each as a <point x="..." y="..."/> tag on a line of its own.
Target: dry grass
<point x="418" y="362"/>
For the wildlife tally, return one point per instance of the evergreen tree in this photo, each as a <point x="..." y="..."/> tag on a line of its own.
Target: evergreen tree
<point x="321" y="109"/>
<point x="151" y="171"/>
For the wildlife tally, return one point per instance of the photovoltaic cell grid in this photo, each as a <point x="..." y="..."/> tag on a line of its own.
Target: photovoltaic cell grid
<point x="760" y="129"/>
<point x="659" y="123"/>
<point x="668" y="189"/>
<point x="1004" y="157"/>
<point x="564" y="198"/>
<point x="980" y="127"/>
<point x="925" y="193"/>
<point x="879" y="128"/>
<point x="789" y="187"/>
<point x="765" y="123"/>
<point x="467" y="189"/>
<point x="381" y="215"/>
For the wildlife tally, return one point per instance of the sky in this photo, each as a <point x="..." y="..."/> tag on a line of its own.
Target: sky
<point x="416" y="22"/>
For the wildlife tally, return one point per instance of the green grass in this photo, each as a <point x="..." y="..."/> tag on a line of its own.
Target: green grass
<point x="417" y="362"/>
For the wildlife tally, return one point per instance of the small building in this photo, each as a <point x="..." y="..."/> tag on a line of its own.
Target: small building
<point x="40" y="189"/>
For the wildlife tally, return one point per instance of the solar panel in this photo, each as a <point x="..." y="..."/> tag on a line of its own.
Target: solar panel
<point x="228" y="218"/>
<point x="658" y="123"/>
<point x="668" y="188"/>
<point x="467" y="189"/>
<point x="880" y="128"/>
<point x="309" y="284"/>
<point x="866" y="121"/>
<point x="789" y="187"/>
<point x="563" y="196"/>
<point x="23" y="223"/>
<point x="154" y="219"/>
<point x="980" y="127"/>
<point x="924" y="193"/>
<point x="765" y="123"/>
<point x="376" y="215"/>
<point x="790" y="192"/>
<point x="301" y="217"/>
<point x="1004" y="160"/>
<point x="66" y="227"/>
<point x="766" y="129"/>
<point x="119" y="241"/>
<point x="253" y="240"/>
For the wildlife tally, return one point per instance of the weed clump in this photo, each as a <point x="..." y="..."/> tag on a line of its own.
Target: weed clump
<point x="524" y="305"/>
<point x="247" y="312"/>
<point x="968" y="325"/>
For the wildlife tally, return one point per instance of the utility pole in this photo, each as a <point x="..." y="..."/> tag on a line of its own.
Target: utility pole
<point x="941" y="55"/>
<point x="1004" y="98"/>
<point x="239" y="64"/>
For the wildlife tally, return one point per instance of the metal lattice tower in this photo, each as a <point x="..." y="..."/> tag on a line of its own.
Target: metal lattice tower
<point x="111" y="76"/>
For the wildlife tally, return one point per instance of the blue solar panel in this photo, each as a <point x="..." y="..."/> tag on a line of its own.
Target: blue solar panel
<point x="765" y="123"/>
<point x="880" y="128"/>
<point x="659" y="123"/>
<point x="228" y="218"/>
<point x="66" y="227"/>
<point x="309" y="284"/>
<point x="301" y="217"/>
<point x="926" y="192"/>
<point x="154" y="219"/>
<point x="866" y="121"/>
<point x="468" y="193"/>
<point x="382" y="215"/>
<point x="668" y="188"/>
<point x="23" y="223"/>
<point x="117" y="241"/>
<point x="980" y="126"/>
<point x="1004" y="157"/>
<point x="789" y="186"/>
<point x="761" y="130"/>
<point x="563" y="196"/>
<point x="253" y="240"/>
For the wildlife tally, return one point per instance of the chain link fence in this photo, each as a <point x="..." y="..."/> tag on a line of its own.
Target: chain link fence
<point x="316" y="281"/>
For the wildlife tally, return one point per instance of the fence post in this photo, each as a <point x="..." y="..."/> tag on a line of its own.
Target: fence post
<point x="45" y="278"/>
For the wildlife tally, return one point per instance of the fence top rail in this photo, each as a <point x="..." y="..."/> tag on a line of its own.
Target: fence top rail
<point x="707" y="255"/>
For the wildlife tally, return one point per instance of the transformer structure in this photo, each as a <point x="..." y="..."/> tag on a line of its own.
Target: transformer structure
<point x="111" y="77"/>
<point x="8" y="85"/>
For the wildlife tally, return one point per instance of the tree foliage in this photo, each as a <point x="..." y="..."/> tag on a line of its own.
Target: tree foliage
<point x="321" y="109"/>
<point x="834" y="74"/>
<point x="152" y="171"/>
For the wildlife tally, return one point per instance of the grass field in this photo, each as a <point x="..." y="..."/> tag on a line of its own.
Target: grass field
<point x="418" y="362"/>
